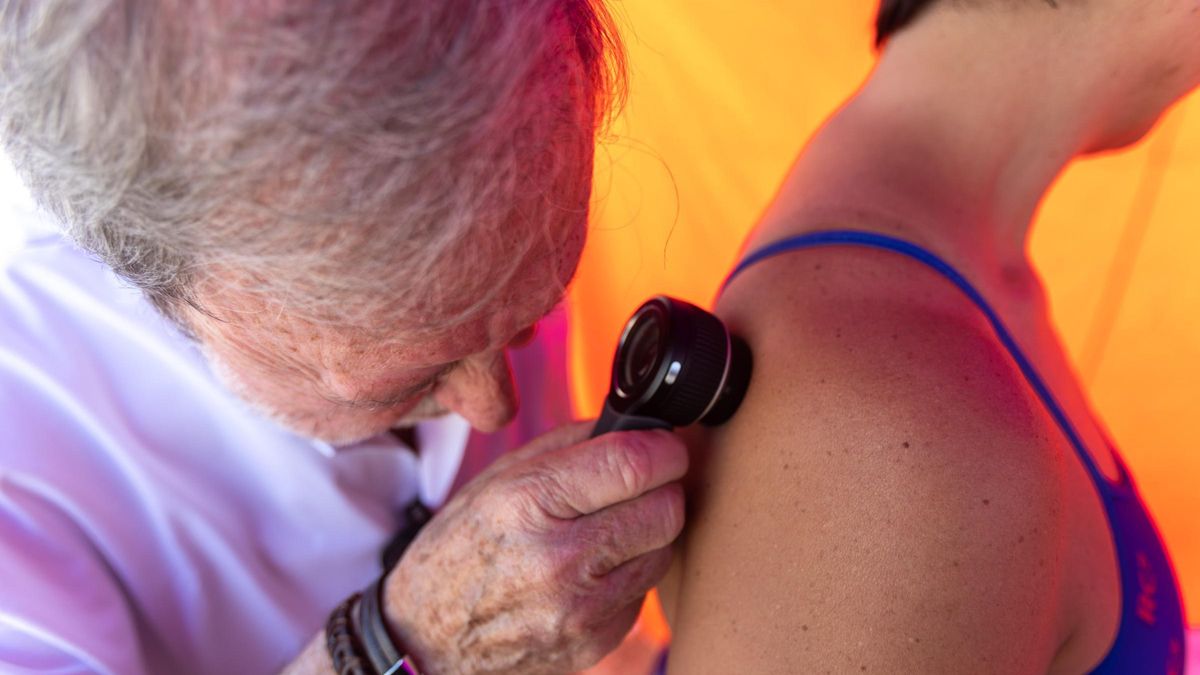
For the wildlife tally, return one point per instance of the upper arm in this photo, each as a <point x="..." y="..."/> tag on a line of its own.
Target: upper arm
<point x="61" y="609"/>
<point x="885" y="500"/>
<point x="62" y="606"/>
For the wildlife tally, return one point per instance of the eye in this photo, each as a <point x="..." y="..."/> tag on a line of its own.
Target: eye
<point x="428" y="385"/>
<point x="439" y="377"/>
<point x="424" y="388"/>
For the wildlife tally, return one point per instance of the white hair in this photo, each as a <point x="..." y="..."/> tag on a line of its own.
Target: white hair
<point x="327" y="156"/>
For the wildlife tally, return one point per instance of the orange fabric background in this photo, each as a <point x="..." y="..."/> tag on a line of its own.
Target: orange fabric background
<point x="723" y="96"/>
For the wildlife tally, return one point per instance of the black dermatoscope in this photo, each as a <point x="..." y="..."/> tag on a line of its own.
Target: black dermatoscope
<point x="675" y="365"/>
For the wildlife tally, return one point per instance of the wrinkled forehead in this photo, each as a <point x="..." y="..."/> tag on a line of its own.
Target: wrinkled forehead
<point x="526" y="290"/>
<point x="470" y="303"/>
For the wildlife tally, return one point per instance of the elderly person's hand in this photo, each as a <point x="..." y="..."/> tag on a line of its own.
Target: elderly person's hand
<point x="540" y="565"/>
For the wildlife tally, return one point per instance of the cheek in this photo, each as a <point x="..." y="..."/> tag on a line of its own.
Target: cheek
<point x="1191" y="43"/>
<point x="571" y="252"/>
<point x="274" y="397"/>
<point x="242" y="376"/>
<point x="279" y="394"/>
<point x="339" y="425"/>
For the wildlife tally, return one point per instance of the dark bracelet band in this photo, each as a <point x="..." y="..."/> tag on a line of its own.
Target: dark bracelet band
<point x="340" y="640"/>
<point x="381" y="650"/>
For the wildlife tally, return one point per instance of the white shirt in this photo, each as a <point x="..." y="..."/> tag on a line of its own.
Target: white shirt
<point x="152" y="523"/>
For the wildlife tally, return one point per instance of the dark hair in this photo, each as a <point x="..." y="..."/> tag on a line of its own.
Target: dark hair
<point x="896" y="14"/>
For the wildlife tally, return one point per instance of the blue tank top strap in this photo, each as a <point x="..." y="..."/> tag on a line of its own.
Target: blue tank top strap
<point x="906" y="248"/>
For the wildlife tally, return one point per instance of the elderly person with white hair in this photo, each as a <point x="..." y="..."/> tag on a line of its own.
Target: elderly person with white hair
<point x="346" y="214"/>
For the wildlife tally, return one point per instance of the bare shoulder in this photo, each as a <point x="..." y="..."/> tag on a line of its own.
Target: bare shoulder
<point x="888" y="498"/>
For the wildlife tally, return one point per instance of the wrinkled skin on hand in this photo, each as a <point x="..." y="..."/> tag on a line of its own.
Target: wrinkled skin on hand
<point x="541" y="563"/>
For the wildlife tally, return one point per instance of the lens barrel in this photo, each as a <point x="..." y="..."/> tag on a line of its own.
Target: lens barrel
<point x="678" y="363"/>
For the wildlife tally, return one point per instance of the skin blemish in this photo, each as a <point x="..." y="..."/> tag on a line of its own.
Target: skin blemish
<point x="987" y="502"/>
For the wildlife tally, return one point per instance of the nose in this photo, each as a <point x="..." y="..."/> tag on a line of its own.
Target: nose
<point x="481" y="389"/>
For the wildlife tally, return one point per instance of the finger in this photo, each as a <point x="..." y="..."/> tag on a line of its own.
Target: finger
<point x="627" y="530"/>
<point x="606" y="470"/>
<point x="630" y="582"/>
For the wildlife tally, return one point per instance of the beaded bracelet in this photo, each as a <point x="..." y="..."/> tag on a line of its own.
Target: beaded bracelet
<point x="344" y="648"/>
<point x="374" y="652"/>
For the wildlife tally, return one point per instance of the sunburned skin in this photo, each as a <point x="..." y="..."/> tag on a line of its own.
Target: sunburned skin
<point x="850" y="443"/>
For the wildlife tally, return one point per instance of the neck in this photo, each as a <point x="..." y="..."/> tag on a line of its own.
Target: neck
<point x="960" y="131"/>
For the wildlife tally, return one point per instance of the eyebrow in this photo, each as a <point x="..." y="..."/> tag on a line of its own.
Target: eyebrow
<point x="408" y="393"/>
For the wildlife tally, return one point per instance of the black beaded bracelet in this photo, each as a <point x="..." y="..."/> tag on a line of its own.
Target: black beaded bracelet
<point x="340" y="640"/>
